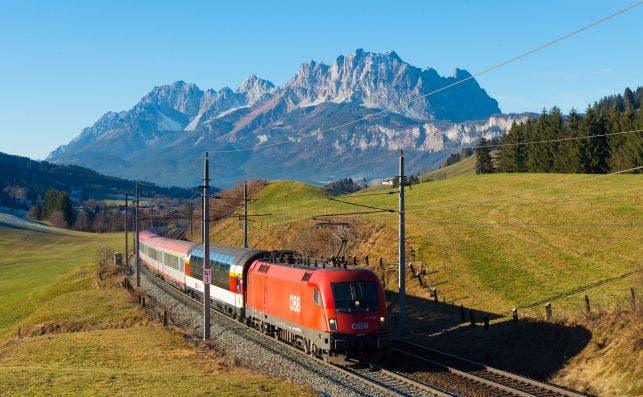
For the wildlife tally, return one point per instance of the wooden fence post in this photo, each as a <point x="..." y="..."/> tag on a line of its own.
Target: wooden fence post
<point x="514" y="314"/>
<point x="462" y="313"/>
<point x="587" y="308"/>
<point x="548" y="310"/>
<point x="486" y="323"/>
<point x="434" y="292"/>
<point x="383" y="272"/>
<point x="164" y="317"/>
<point x="472" y="319"/>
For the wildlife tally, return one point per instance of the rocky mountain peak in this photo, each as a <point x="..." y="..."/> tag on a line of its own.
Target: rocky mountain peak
<point x="385" y="81"/>
<point x="179" y="96"/>
<point x="255" y="88"/>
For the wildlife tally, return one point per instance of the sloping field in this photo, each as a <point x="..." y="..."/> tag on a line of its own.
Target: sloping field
<point x="82" y="338"/>
<point x="493" y="242"/>
<point x="466" y="166"/>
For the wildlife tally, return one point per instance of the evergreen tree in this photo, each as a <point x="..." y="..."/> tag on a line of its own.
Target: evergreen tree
<point x="594" y="152"/>
<point x="628" y="99"/>
<point x="483" y="158"/>
<point x="567" y="156"/>
<point x="540" y="157"/>
<point x="58" y="203"/>
<point x="512" y="155"/>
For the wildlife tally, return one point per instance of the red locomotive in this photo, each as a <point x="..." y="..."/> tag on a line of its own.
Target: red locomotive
<point x="327" y="311"/>
<point x="330" y="311"/>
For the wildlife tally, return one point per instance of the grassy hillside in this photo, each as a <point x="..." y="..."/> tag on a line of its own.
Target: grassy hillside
<point x="494" y="241"/>
<point x="79" y="337"/>
<point x="463" y="167"/>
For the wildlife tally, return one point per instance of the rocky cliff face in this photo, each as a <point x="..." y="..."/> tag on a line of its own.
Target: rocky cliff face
<point x="329" y="121"/>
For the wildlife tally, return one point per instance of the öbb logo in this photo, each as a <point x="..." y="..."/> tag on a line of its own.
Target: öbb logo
<point x="294" y="303"/>
<point x="357" y="326"/>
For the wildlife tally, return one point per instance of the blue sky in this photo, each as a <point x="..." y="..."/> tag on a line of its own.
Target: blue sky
<point x="63" y="64"/>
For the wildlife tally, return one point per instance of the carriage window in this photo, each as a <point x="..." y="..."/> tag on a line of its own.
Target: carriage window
<point x="317" y="297"/>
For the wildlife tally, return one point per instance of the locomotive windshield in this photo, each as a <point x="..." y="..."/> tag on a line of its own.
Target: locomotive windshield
<point x="355" y="296"/>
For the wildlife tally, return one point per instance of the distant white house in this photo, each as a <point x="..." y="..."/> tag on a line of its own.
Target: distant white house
<point x="388" y="182"/>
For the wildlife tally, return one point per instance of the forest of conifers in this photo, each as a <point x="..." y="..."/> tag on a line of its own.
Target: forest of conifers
<point x="615" y="124"/>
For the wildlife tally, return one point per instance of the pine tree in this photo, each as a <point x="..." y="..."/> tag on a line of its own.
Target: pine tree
<point x="540" y="157"/>
<point x="566" y="158"/>
<point x="511" y="154"/>
<point x="594" y="152"/>
<point x="483" y="158"/>
<point x="628" y="99"/>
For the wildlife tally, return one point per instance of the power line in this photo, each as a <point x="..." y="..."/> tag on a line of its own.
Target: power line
<point x="364" y="194"/>
<point x="529" y="224"/>
<point x="348" y="213"/>
<point x="456" y="83"/>
<point x="362" y="205"/>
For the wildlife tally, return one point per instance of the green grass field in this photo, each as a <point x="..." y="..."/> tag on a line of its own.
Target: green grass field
<point x="494" y="241"/>
<point x="82" y="339"/>
<point x="464" y="167"/>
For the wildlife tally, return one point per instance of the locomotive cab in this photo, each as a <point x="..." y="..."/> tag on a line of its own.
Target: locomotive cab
<point x="356" y="312"/>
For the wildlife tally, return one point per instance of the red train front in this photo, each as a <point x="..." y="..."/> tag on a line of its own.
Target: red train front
<point x="328" y="311"/>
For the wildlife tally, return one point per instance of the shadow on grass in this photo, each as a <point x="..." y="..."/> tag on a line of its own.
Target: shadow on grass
<point x="530" y="347"/>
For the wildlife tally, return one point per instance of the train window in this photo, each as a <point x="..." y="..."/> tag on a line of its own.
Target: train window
<point x="355" y="296"/>
<point x="196" y="267"/>
<point x="220" y="274"/>
<point x="317" y="297"/>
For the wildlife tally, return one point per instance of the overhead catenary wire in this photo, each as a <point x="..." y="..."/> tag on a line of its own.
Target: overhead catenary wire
<point x="349" y="213"/>
<point x="456" y="83"/>
<point x="529" y="224"/>
<point x="362" y="205"/>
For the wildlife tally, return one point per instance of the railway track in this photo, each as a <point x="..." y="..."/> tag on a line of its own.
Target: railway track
<point x="385" y="381"/>
<point x="505" y="383"/>
<point x="397" y="384"/>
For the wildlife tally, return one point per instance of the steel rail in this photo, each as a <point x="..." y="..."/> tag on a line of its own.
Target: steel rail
<point x="513" y="378"/>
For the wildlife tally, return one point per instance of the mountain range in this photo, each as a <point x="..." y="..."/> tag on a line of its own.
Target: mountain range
<point x="327" y="122"/>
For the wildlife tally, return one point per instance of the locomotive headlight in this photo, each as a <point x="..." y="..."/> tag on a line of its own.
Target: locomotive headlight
<point x="332" y="323"/>
<point x="382" y="320"/>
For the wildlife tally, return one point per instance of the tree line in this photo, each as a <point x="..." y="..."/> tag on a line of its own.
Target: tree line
<point x="344" y="186"/>
<point x="606" y="150"/>
<point x="97" y="216"/>
<point x="24" y="181"/>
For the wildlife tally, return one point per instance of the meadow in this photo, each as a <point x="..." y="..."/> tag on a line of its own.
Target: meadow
<point x="79" y="336"/>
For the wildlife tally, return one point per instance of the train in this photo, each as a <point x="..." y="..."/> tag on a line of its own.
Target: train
<point x="333" y="311"/>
